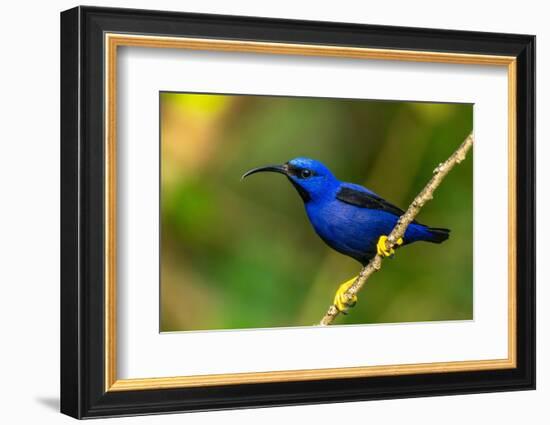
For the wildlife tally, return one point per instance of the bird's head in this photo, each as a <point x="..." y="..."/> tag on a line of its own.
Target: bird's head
<point x="311" y="178"/>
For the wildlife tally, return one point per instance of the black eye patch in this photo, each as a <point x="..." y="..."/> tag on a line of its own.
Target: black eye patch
<point x="301" y="173"/>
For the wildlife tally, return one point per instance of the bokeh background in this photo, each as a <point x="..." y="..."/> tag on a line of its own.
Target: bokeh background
<point x="243" y="254"/>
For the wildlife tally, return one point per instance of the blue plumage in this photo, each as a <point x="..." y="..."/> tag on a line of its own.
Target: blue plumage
<point x="348" y="217"/>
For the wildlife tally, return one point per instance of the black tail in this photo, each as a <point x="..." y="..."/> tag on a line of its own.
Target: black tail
<point x="438" y="235"/>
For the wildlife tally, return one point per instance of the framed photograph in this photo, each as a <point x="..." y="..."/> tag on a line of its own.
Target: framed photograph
<point x="261" y="212"/>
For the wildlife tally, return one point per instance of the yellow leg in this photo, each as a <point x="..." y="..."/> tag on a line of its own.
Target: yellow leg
<point x="381" y="247"/>
<point x="340" y="300"/>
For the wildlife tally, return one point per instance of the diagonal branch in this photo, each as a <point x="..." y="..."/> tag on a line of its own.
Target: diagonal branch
<point x="399" y="230"/>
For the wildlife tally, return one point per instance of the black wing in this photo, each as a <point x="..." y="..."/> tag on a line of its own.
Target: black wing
<point x="367" y="200"/>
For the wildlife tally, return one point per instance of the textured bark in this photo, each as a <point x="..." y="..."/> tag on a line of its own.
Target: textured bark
<point x="399" y="230"/>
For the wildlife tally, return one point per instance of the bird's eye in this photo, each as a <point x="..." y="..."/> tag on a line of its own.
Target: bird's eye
<point x="305" y="173"/>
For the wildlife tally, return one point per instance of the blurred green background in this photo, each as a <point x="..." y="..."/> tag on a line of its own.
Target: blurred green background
<point x="243" y="254"/>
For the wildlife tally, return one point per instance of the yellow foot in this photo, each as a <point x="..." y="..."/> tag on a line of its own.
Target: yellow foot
<point x="381" y="248"/>
<point x="340" y="300"/>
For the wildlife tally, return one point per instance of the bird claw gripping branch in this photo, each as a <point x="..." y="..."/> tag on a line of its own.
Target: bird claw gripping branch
<point x="341" y="300"/>
<point x="382" y="247"/>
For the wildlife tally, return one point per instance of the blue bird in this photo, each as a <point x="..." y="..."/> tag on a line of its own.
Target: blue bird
<point x="348" y="217"/>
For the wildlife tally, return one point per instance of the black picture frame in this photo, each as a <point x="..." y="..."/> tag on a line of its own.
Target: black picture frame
<point x="83" y="392"/>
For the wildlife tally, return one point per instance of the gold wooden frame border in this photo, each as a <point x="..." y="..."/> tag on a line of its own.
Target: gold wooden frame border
<point x="113" y="41"/>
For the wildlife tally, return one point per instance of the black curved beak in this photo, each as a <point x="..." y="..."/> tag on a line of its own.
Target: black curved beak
<point x="283" y="169"/>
